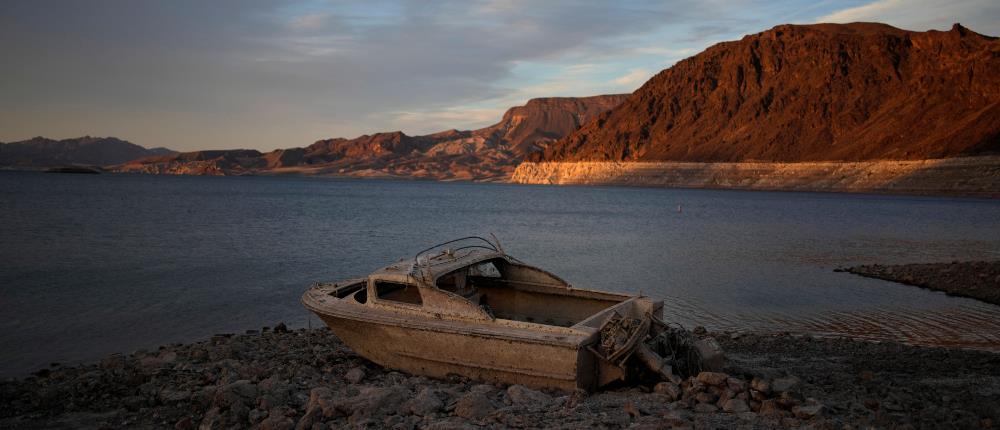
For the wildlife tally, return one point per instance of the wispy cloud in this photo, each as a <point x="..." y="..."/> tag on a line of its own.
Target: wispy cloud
<point x="980" y="15"/>
<point x="634" y="78"/>
<point x="311" y="21"/>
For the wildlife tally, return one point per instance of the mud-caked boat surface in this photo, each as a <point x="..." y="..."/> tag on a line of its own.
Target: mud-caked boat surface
<point x="475" y="311"/>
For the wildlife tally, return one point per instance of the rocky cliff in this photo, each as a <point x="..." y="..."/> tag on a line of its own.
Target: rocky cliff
<point x="826" y="107"/>
<point x="489" y="153"/>
<point x="825" y="92"/>
<point x="93" y="151"/>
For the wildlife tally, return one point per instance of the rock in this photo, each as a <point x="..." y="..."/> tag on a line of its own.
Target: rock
<point x="312" y="415"/>
<point x="355" y="375"/>
<point x="274" y="392"/>
<point x="113" y="361"/>
<point x="240" y="392"/>
<point x="321" y="398"/>
<point x="705" y="408"/>
<point x="483" y="389"/>
<point x="769" y="407"/>
<point x="673" y="391"/>
<point x="134" y="403"/>
<point x="806" y="412"/>
<point x="453" y="423"/>
<point x="212" y="420"/>
<point x="699" y="331"/>
<point x="706" y="397"/>
<point x="277" y="420"/>
<point x="712" y="378"/>
<point x="761" y="385"/>
<point x="256" y="415"/>
<point x="676" y="418"/>
<point x="521" y="395"/>
<point x="374" y="402"/>
<point x="631" y="410"/>
<point x="871" y="404"/>
<point x="577" y="397"/>
<point x="866" y="375"/>
<point x="184" y="424"/>
<point x="736" y="406"/>
<point x="168" y="357"/>
<point x="619" y="419"/>
<point x="736" y="385"/>
<point x="781" y="385"/>
<point x="171" y="396"/>
<point x="789" y="399"/>
<point x="726" y="394"/>
<point x="474" y="406"/>
<point x="425" y="403"/>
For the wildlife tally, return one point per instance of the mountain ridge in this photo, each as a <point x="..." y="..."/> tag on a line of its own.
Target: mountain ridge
<point x="41" y="152"/>
<point x="822" y="92"/>
<point x="489" y="153"/>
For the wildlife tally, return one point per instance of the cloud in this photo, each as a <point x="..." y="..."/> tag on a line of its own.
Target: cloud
<point x="921" y="15"/>
<point x="190" y="74"/>
<point x="634" y="78"/>
<point x="312" y="21"/>
<point x="457" y="117"/>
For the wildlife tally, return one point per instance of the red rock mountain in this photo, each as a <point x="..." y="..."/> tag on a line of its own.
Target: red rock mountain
<point x="832" y="92"/>
<point x="487" y="153"/>
<point x="93" y="151"/>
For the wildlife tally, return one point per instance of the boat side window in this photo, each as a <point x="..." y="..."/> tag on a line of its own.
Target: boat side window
<point x="397" y="292"/>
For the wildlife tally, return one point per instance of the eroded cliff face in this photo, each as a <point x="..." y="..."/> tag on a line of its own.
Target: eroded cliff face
<point x="489" y="153"/>
<point x="825" y="92"/>
<point x="969" y="176"/>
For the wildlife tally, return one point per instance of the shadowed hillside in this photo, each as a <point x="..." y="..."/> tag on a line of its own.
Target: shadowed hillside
<point x="94" y="151"/>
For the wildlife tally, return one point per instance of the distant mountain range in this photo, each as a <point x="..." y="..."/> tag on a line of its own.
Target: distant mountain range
<point x="90" y="151"/>
<point x="487" y="153"/>
<point x="789" y="108"/>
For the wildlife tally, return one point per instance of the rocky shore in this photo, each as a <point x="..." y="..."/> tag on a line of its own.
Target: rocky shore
<point x="975" y="279"/>
<point x="960" y="176"/>
<point x="307" y="379"/>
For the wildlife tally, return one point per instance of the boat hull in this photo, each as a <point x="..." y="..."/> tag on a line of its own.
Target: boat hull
<point x="443" y="350"/>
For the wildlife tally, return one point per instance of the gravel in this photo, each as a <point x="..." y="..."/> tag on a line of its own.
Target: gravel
<point x="307" y="379"/>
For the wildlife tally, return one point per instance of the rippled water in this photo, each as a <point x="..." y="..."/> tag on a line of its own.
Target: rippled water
<point x="93" y="264"/>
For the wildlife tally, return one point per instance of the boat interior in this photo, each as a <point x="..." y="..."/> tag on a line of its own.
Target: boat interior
<point x="502" y="287"/>
<point x="508" y="291"/>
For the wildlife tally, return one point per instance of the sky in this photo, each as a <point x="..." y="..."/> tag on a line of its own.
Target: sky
<point x="219" y="74"/>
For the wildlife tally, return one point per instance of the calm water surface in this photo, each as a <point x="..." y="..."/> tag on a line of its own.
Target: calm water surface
<point x="94" y="264"/>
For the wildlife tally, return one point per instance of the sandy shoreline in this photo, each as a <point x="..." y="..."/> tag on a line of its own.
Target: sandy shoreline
<point x="307" y="379"/>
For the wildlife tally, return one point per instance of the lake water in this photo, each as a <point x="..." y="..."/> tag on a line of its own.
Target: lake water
<point x="95" y="264"/>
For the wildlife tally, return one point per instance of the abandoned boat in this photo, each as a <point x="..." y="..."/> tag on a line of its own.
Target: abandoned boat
<point x="475" y="311"/>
